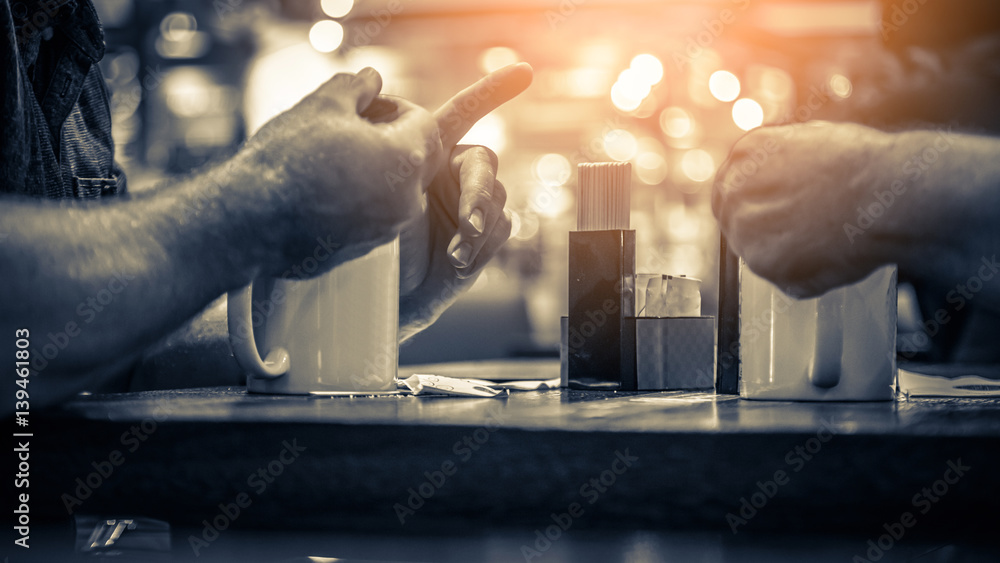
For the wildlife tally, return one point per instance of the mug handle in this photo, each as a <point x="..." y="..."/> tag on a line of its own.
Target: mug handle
<point x="824" y="370"/>
<point x="277" y="362"/>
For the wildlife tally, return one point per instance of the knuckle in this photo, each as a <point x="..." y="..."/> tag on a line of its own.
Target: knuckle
<point x="479" y="152"/>
<point x="499" y="195"/>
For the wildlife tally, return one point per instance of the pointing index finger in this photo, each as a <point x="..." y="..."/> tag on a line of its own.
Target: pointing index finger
<point x="460" y="113"/>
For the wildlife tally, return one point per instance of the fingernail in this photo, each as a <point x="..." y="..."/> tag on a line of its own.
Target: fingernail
<point x="476" y="220"/>
<point x="461" y="254"/>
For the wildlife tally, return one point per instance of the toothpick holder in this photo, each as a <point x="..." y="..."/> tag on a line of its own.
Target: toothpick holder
<point x="600" y="336"/>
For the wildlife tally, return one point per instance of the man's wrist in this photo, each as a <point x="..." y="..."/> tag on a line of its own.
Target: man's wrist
<point x="251" y="221"/>
<point x="930" y="202"/>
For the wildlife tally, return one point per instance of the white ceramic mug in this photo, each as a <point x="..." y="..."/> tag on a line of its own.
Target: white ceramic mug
<point x="840" y="346"/>
<point x="337" y="333"/>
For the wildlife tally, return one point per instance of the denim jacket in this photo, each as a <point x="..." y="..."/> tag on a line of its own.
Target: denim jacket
<point x="55" y="119"/>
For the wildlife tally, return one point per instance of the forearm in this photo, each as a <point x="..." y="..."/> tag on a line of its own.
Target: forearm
<point x="941" y="224"/>
<point x="96" y="283"/>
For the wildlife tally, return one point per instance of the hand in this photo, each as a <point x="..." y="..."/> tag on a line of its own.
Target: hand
<point x="343" y="169"/>
<point x="787" y="197"/>
<point x="445" y="249"/>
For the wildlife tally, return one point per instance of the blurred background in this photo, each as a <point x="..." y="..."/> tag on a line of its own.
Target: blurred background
<point x="666" y="85"/>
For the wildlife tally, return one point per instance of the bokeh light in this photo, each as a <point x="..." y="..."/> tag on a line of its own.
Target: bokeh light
<point x="623" y="99"/>
<point x="337" y="8"/>
<point x="774" y="83"/>
<point x="724" y="85"/>
<point x="841" y="85"/>
<point x="635" y="84"/>
<point x="515" y="224"/>
<point x="651" y="168"/>
<point x="552" y="169"/>
<point x="648" y="67"/>
<point x="676" y="122"/>
<point x="747" y="114"/>
<point x="620" y="144"/>
<point x="529" y="225"/>
<point x="684" y="225"/>
<point x="189" y="91"/>
<point x="587" y="82"/>
<point x="648" y="107"/>
<point x="178" y="26"/>
<point x="698" y="165"/>
<point x="326" y="36"/>
<point x="179" y="37"/>
<point x="490" y="131"/>
<point x="549" y="201"/>
<point x="496" y="58"/>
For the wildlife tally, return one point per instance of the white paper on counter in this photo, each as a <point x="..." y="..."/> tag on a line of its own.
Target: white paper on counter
<point x="525" y="385"/>
<point x="922" y="385"/>
<point x="426" y="384"/>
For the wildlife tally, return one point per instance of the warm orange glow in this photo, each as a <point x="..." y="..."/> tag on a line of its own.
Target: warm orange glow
<point x="841" y="85"/>
<point x="698" y="165"/>
<point x="620" y="145"/>
<point x="550" y="201"/>
<point x="724" y="85"/>
<point x="775" y="84"/>
<point x="496" y="58"/>
<point x="552" y="169"/>
<point x="490" y="131"/>
<point x="747" y="114"/>
<point x="623" y="99"/>
<point x="676" y="122"/>
<point x="648" y="67"/>
<point x="651" y="168"/>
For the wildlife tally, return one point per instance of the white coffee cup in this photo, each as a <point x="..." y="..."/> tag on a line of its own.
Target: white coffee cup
<point x="840" y="346"/>
<point x="337" y="333"/>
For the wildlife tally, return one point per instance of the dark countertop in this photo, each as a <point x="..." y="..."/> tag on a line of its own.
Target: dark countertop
<point x="693" y="460"/>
